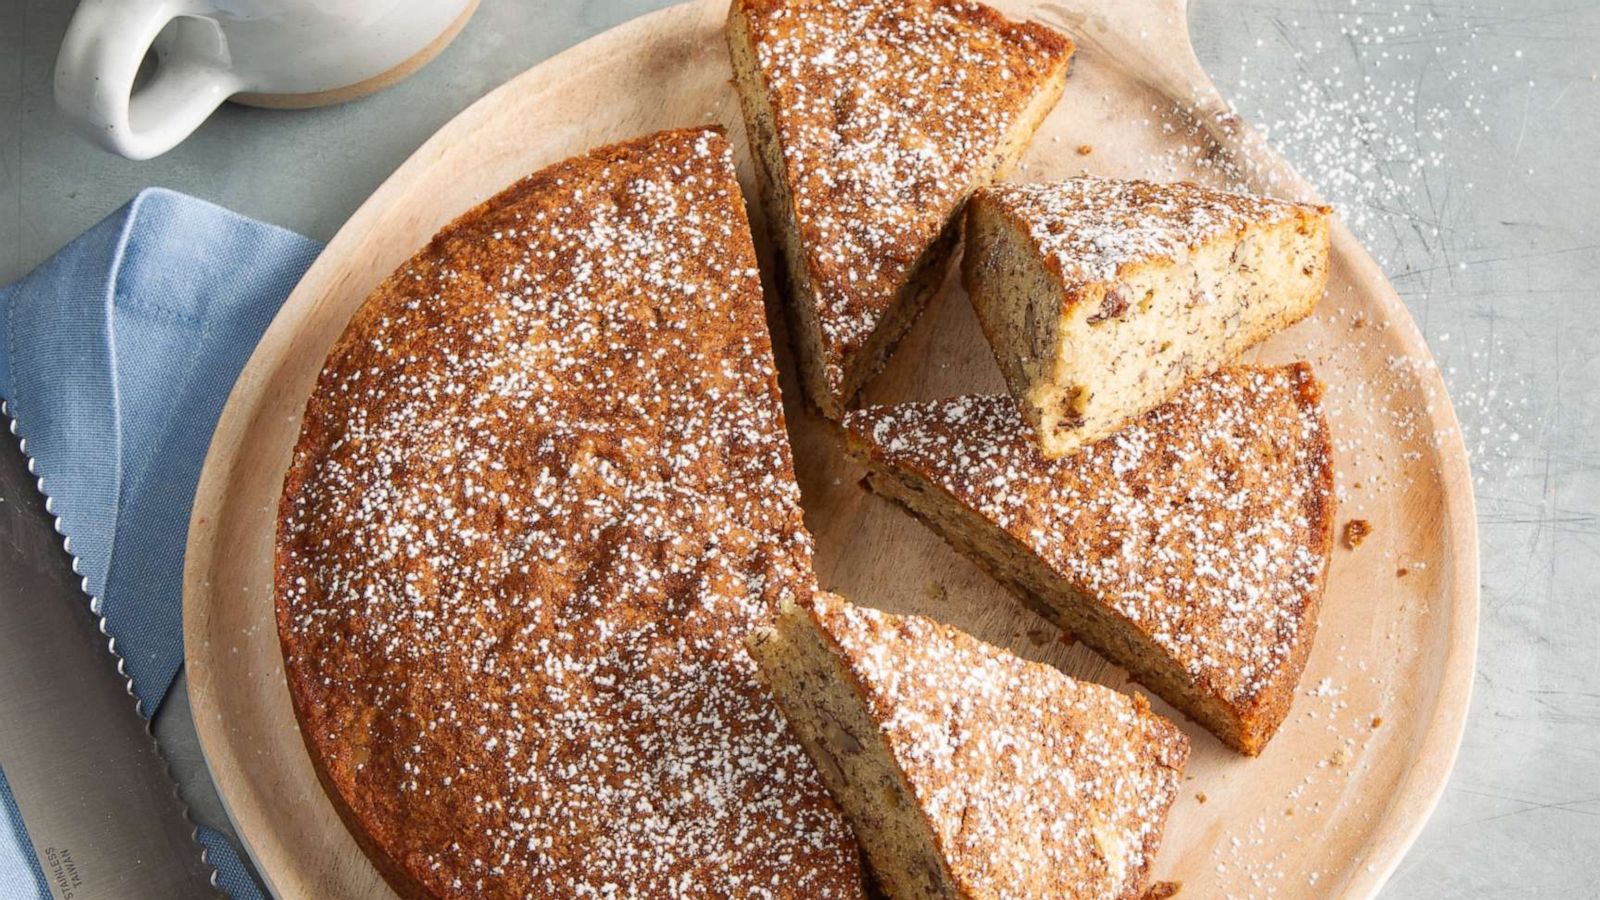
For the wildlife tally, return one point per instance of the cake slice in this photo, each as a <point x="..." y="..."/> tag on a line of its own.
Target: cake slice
<point x="966" y="771"/>
<point x="1101" y="298"/>
<point x="1190" y="547"/>
<point x="871" y="121"/>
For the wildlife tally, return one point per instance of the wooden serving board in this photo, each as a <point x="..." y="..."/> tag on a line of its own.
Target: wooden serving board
<point x="1334" y="801"/>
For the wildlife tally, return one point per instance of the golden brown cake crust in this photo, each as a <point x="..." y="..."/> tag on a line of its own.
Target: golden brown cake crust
<point x="1089" y="230"/>
<point x="541" y="492"/>
<point x="1034" y="784"/>
<point x="1207" y="524"/>
<point x="886" y="112"/>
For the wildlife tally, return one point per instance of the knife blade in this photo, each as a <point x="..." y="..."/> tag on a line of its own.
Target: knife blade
<point x="100" y="807"/>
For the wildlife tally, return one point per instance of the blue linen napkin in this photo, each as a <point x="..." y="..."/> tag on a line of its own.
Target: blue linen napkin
<point x="116" y="356"/>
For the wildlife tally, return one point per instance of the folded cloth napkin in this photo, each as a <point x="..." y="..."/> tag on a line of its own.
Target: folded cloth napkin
<point x="116" y="356"/>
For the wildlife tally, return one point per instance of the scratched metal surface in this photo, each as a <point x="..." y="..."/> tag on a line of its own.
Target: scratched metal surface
<point x="1494" y="248"/>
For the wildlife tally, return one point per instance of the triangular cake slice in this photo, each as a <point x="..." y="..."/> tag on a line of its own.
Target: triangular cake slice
<point x="542" y="493"/>
<point x="1101" y="298"/>
<point x="871" y="121"/>
<point x="1190" y="547"/>
<point x="966" y="771"/>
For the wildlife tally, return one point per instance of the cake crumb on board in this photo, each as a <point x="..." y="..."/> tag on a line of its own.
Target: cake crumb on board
<point x="1356" y="531"/>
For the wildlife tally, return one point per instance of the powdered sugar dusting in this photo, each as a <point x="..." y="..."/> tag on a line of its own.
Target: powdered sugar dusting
<point x="1382" y="108"/>
<point x="542" y="491"/>
<point x="1205" y="523"/>
<point x="886" y="113"/>
<point x="1355" y="119"/>
<point x="1036" y="785"/>
<point x="1092" y="227"/>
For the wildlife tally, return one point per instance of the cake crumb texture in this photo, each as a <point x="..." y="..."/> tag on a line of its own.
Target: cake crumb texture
<point x="1092" y="227"/>
<point x="1101" y="298"/>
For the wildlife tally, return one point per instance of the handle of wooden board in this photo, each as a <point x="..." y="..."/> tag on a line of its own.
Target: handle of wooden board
<point x="1150" y="39"/>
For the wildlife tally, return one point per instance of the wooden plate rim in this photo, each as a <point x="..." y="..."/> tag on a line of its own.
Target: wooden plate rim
<point x="1178" y="68"/>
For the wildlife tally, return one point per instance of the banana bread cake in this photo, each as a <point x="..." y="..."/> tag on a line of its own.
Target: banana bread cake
<point x="870" y="122"/>
<point x="1101" y="298"/>
<point x="1190" y="547"/>
<point x="542" y="493"/>
<point x="966" y="771"/>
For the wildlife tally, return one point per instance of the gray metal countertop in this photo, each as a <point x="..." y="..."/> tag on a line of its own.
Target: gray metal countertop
<point x="1481" y="123"/>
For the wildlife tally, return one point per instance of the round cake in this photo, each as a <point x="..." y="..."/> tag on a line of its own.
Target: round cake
<point x="542" y="492"/>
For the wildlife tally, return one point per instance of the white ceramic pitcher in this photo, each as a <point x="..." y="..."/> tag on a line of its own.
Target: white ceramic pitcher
<point x="281" y="53"/>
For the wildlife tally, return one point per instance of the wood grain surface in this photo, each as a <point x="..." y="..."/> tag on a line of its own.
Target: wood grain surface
<point x="1334" y="801"/>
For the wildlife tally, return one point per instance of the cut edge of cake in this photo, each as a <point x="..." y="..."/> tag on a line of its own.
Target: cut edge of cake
<point x="793" y="657"/>
<point x="859" y="743"/>
<point x="1102" y="298"/>
<point x="1244" y="726"/>
<point x="831" y="378"/>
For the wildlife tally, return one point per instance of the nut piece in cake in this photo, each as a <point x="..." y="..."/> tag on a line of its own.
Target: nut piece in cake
<point x="1101" y="298"/>
<point x="966" y="771"/>
<point x="1190" y="547"/>
<point x="871" y="121"/>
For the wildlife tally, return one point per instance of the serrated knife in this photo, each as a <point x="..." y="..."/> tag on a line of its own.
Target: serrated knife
<point x="99" y="805"/>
